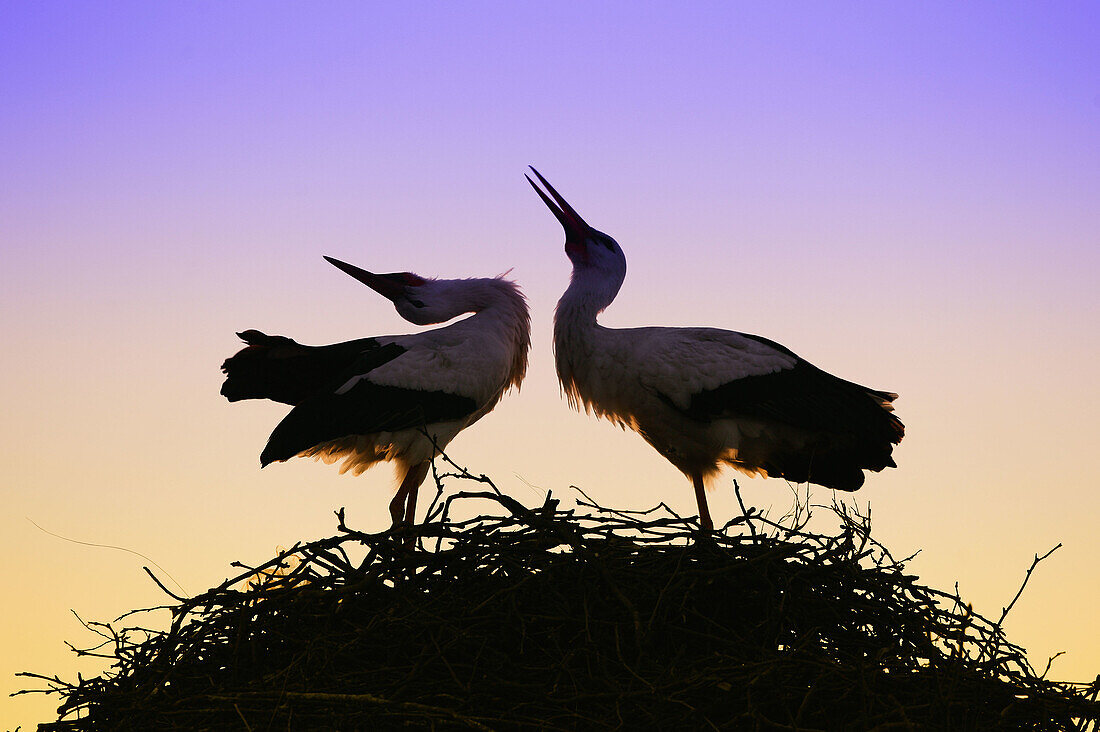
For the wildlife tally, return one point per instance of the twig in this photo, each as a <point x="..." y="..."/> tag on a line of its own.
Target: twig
<point x="1034" y="563"/>
<point x="111" y="546"/>
<point x="744" y="511"/>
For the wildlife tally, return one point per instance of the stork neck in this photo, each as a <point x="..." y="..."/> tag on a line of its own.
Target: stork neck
<point x="477" y="296"/>
<point x="499" y="305"/>
<point x="586" y="297"/>
<point x="575" y="323"/>
<point x="577" y="335"/>
<point x="496" y="297"/>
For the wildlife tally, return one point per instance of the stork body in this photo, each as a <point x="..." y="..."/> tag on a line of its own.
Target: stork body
<point x="399" y="398"/>
<point x="705" y="397"/>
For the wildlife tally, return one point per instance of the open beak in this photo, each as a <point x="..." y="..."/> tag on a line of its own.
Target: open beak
<point x="576" y="230"/>
<point x="391" y="286"/>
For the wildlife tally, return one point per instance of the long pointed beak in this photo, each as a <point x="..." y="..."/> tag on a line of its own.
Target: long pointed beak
<point x="390" y="286"/>
<point x="576" y="230"/>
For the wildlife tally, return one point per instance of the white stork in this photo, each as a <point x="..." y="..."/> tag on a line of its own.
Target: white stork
<point x="702" y="396"/>
<point x="399" y="398"/>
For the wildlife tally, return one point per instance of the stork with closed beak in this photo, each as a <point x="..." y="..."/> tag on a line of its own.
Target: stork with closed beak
<point x="399" y="398"/>
<point x="704" y="397"/>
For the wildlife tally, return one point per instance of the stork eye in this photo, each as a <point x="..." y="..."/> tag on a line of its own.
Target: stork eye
<point x="416" y="303"/>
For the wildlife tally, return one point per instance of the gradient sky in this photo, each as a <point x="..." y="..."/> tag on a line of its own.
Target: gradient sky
<point x="907" y="196"/>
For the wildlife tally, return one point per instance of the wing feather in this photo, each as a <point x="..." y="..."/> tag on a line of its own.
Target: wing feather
<point x="365" y="408"/>
<point x="804" y="397"/>
<point x="682" y="362"/>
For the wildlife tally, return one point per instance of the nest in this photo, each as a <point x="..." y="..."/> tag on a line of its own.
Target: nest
<point x="587" y="618"/>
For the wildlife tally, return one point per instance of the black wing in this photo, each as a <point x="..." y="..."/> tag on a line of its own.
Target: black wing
<point x="364" y="409"/>
<point x="851" y="426"/>
<point x="805" y="397"/>
<point x="283" y="370"/>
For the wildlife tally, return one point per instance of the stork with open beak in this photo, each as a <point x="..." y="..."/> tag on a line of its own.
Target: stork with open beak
<point x="401" y="398"/>
<point x="704" y="397"/>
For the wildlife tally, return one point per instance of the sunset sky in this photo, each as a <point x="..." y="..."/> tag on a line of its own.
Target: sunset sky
<point x="907" y="196"/>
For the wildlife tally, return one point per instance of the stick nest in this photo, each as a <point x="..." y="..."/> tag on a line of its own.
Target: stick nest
<point x="585" y="618"/>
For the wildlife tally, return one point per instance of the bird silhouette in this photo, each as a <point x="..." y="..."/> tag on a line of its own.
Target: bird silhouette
<point x="704" y="397"/>
<point x="399" y="398"/>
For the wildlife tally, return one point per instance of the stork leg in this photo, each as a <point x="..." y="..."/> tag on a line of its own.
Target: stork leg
<point x="701" y="499"/>
<point x="403" y="505"/>
<point x="410" y="503"/>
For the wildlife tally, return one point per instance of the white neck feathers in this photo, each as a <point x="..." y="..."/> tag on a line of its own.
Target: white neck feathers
<point x="500" y="301"/>
<point x="590" y="291"/>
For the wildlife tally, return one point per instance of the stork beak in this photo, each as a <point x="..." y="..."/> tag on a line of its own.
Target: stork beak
<point x="391" y="286"/>
<point x="576" y="230"/>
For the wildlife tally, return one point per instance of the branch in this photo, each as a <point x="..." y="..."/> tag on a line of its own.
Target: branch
<point x="1034" y="564"/>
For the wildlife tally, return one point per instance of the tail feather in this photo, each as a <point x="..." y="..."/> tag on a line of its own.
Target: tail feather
<point x="839" y="469"/>
<point x="266" y="368"/>
<point x="283" y="370"/>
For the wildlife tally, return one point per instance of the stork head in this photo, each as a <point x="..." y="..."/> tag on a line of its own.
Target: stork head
<point x="589" y="250"/>
<point x="416" y="299"/>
